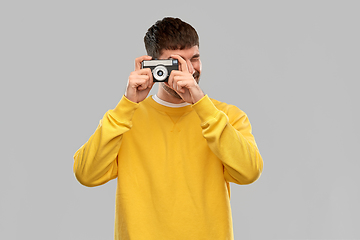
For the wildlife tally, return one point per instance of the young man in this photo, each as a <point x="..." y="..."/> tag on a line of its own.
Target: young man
<point x="174" y="153"/>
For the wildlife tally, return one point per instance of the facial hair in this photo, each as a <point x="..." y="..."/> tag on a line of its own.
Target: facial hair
<point x="173" y="93"/>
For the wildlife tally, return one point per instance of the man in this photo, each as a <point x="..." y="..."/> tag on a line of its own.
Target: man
<point x="174" y="153"/>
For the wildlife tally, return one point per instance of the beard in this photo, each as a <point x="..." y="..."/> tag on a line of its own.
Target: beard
<point x="173" y="93"/>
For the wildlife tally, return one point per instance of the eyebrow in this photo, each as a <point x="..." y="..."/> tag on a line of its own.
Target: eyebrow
<point x="196" y="56"/>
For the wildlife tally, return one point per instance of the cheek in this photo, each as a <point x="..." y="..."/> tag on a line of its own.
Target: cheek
<point x="198" y="66"/>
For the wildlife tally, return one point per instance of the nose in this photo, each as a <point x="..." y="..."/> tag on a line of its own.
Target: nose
<point x="190" y="67"/>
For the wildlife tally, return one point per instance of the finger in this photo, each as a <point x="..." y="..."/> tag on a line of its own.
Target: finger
<point x="149" y="74"/>
<point x="171" y="79"/>
<point x="181" y="83"/>
<point x="151" y="85"/>
<point x="173" y="74"/>
<point x="182" y="63"/>
<point x="145" y="80"/>
<point x="174" y="84"/>
<point x="141" y="74"/>
<point x="142" y="83"/>
<point x="180" y="86"/>
<point x="144" y="71"/>
<point x="138" y="75"/>
<point x="139" y="60"/>
<point x="138" y="80"/>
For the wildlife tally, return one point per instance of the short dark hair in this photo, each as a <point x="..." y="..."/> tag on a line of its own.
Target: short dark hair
<point x="170" y="34"/>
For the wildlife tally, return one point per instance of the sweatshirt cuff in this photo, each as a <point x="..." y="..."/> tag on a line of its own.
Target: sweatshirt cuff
<point x="206" y="109"/>
<point x="124" y="110"/>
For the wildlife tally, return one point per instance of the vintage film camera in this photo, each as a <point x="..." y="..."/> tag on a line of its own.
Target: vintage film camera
<point x="161" y="69"/>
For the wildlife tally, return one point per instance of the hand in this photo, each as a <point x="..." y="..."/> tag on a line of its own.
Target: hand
<point x="183" y="82"/>
<point x="140" y="81"/>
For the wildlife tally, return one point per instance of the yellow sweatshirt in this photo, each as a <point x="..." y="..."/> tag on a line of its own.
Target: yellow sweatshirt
<point x="173" y="167"/>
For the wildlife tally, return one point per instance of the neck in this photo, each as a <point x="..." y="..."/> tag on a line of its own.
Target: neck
<point x="167" y="97"/>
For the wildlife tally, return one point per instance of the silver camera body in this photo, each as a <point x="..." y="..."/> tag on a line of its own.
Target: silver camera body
<point x="161" y="69"/>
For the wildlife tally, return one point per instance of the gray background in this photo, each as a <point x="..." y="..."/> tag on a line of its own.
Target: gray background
<point x="292" y="66"/>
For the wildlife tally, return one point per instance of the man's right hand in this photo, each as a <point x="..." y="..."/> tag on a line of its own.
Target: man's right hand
<point x="140" y="82"/>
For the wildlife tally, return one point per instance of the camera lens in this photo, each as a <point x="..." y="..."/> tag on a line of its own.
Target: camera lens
<point x="160" y="73"/>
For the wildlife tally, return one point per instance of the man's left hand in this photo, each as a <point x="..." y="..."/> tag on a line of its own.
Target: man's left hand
<point x="184" y="83"/>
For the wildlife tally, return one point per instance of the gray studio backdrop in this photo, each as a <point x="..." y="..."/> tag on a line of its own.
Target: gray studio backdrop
<point x="292" y="66"/>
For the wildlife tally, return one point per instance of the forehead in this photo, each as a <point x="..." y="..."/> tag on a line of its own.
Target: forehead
<point x="184" y="53"/>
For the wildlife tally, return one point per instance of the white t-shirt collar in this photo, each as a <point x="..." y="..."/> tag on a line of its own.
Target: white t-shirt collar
<point x="167" y="104"/>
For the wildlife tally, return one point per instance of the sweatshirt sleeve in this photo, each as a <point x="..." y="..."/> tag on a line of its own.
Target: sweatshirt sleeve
<point x="230" y="139"/>
<point x="95" y="163"/>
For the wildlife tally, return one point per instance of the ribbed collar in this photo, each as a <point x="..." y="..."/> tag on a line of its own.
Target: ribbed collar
<point x="164" y="108"/>
<point x="168" y="104"/>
